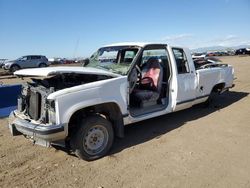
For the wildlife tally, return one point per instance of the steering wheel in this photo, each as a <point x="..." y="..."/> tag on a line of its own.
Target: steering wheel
<point x="135" y="77"/>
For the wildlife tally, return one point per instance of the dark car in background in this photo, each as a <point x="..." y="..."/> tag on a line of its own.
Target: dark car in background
<point x="242" y="51"/>
<point x="2" y="61"/>
<point x="29" y="61"/>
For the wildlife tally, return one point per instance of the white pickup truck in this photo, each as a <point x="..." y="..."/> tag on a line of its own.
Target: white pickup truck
<point x="121" y="84"/>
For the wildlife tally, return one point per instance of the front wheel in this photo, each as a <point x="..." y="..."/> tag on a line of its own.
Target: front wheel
<point x="93" y="139"/>
<point x="14" y="68"/>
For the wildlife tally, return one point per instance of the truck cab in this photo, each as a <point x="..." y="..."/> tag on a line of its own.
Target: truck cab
<point x="177" y="80"/>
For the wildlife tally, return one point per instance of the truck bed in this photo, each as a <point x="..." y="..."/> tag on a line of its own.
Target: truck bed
<point x="211" y="75"/>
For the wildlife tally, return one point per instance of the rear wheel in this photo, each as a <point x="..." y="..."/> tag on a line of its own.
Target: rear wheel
<point x="209" y="102"/>
<point x="42" y="65"/>
<point x="93" y="139"/>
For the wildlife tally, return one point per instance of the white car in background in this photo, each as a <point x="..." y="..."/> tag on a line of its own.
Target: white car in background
<point x="198" y="55"/>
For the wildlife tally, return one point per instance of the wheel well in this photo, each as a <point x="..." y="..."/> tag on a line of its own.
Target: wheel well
<point x="42" y="63"/>
<point x="15" y="65"/>
<point x="218" y="87"/>
<point x="110" y="111"/>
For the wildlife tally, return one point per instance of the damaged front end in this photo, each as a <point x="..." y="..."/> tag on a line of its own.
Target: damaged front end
<point x="33" y="103"/>
<point x="36" y="115"/>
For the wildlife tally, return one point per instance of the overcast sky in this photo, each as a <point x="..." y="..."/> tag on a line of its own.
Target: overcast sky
<point x="73" y="28"/>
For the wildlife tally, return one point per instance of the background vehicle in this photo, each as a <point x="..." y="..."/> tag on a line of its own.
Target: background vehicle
<point x="29" y="61"/>
<point x="2" y="61"/>
<point x="88" y="106"/>
<point x="198" y="55"/>
<point x="242" y="51"/>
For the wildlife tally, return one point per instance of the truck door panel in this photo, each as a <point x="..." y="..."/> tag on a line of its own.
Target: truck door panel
<point x="186" y="79"/>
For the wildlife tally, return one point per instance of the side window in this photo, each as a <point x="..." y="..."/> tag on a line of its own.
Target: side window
<point x="129" y="56"/>
<point x="35" y="57"/>
<point x="24" y="58"/>
<point x="158" y="53"/>
<point x="126" y="56"/>
<point x="181" y="61"/>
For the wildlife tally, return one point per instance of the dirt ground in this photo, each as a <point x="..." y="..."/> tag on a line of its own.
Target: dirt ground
<point x="197" y="147"/>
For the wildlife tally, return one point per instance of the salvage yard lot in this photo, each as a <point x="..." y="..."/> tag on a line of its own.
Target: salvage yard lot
<point x="197" y="147"/>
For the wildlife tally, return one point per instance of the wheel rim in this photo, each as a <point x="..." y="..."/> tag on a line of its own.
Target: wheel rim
<point x="42" y="65"/>
<point x="95" y="140"/>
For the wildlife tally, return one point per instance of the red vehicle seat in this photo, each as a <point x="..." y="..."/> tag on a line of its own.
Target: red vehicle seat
<point x="149" y="89"/>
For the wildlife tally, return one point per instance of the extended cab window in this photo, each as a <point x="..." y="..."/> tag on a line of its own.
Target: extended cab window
<point x="181" y="61"/>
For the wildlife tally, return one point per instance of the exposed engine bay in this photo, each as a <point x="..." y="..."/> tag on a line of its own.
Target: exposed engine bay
<point x="63" y="81"/>
<point x="33" y="103"/>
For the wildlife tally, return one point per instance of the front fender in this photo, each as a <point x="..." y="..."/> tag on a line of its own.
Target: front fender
<point x="113" y="90"/>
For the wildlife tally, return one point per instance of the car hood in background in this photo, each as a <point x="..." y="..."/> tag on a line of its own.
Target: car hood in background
<point x="10" y="62"/>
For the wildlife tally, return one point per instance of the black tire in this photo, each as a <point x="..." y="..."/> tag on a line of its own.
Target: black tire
<point x="42" y="65"/>
<point x="93" y="131"/>
<point x="14" y="68"/>
<point x="209" y="102"/>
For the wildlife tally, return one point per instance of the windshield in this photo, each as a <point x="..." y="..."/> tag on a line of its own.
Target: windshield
<point x="22" y="58"/>
<point x="115" y="59"/>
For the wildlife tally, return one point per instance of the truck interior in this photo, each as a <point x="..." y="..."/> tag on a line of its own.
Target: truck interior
<point x="149" y="82"/>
